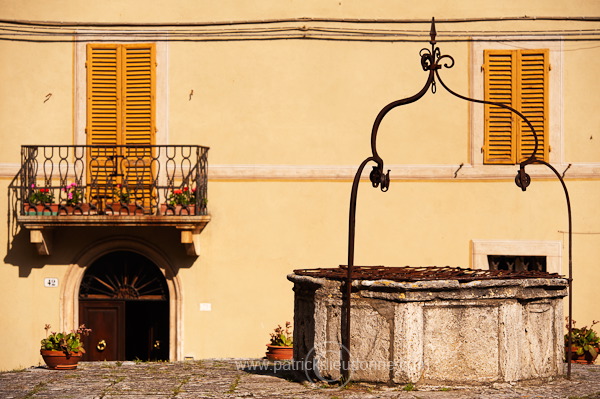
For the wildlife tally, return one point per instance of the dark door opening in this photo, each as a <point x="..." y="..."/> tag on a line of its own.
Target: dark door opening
<point x="124" y="299"/>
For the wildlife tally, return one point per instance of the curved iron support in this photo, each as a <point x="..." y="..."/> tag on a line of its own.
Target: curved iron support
<point x="431" y="60"/>
<point x="378" y="179"/>
<point x="522" y="180"/>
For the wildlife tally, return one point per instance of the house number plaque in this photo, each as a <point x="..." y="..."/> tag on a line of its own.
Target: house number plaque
<point x="51" y="282"/>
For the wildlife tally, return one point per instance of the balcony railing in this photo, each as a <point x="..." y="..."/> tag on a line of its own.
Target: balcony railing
<point x="123" y="180"/>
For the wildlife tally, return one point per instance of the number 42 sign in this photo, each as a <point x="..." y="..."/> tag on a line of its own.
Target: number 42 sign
<point x="51" y="282"/>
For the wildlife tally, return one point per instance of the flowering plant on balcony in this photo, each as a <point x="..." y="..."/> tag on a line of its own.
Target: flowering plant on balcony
<point x="182" y="196"/>
<point x="40" y="196"/>
<point x="122" y="194"/>
<point x="74" y="194"/>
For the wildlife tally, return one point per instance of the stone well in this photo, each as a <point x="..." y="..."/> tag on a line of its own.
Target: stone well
<point x="433" y="331"/>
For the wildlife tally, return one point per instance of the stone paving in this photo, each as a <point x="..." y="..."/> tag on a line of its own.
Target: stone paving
<point x="253" y="379"/>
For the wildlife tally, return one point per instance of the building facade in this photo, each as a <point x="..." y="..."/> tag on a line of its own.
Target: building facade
<point x="166" y="166"/>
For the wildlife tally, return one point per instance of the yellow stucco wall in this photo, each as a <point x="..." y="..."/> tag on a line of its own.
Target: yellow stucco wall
<point x="302" y="105"/>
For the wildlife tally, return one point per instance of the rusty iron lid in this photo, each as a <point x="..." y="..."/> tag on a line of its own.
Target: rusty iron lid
<point x="408" y="273"/>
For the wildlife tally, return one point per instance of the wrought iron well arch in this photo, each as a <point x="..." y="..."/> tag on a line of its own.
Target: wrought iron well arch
<point x="432" y="60"/>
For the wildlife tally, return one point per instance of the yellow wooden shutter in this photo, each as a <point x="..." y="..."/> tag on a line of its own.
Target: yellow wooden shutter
<point x="499" y="75"/>
<point x="138" y="94"/>
<point x="139" y="82"/>
<point x="519" y="79"/>
<point x="121" y="111"/>
<point x="533" y="103"/>
<point x="103" y="117"/>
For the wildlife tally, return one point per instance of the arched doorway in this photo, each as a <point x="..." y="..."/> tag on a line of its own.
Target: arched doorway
<point x="124" y="299"/>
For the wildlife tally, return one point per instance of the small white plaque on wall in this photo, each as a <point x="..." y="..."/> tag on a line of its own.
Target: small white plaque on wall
<point x="205" y="307"/>
<point x="51" y="282"/>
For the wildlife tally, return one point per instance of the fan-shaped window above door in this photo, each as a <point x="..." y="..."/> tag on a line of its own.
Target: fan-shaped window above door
<point x="123" y="275"/>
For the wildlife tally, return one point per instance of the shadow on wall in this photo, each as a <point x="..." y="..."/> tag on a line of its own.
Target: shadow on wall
<point x="69" y="243"/>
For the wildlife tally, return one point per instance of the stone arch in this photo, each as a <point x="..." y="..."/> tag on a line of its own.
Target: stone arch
<point x="69" y="295"/>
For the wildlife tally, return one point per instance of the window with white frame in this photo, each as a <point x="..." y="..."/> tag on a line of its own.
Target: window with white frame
<point x="517" y="255"/>
<point x="528" y="77"/>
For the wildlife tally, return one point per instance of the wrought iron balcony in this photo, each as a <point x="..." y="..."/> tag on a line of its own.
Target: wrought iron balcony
<point x="98" y="185"/>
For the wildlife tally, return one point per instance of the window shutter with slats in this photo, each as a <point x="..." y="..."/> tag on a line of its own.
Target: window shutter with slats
<point x="533" y="103"/>
<point x="519" y="79"/>
<point x="103" y="117"/>
<point x="138" y="74"/>
<point x="121" y="111"/>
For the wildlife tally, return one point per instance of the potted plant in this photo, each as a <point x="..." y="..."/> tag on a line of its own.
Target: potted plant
<point x="121" y="193"/>
<point x="282" y="343"/>
<point x="585" y="344"/>
<point x="181" y="201"/>
<point x="73" y="200"/>
<point x="61" y="350"/>
<point x="122" y="206"/>
<point x="40" y="202"/>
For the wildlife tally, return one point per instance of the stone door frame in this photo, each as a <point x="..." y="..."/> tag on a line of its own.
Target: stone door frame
<point x="69" y="295"/>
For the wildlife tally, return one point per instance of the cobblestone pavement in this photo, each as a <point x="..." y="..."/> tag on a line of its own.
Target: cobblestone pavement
<point x="253" y="379"/>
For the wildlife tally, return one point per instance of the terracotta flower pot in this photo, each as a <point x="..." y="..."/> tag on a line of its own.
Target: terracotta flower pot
<point x="586" y="358"/>
<point x="177" y="210"/>
<point x="58" y="210"/>
<point x="41" y="210"/>
<point x="116" y="208"/>
<point x="59" y="360"/>
<point x="280" y="352"/>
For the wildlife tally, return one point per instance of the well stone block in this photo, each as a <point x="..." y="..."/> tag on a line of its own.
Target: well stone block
<point x="438" y="331"/>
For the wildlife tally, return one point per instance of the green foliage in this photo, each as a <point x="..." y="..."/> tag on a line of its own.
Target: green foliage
<point x="281" y="336"/>
<point x="74" y="194"/>
<point x="409" y="387"/>
<point x="122" y="194"/>
<point x="40" y="196"/>
<point x="585" y="339"/>
<point x="182" y="196"/>
<point x="65" y="342"/>
<point x="40" y="386"/>
<point x="234" y="384"/>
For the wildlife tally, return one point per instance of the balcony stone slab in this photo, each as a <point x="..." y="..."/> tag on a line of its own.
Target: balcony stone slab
<point x="42" y="228"/>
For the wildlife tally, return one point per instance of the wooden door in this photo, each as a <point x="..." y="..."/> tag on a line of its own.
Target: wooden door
<point x="107" y="321"/>
<point x="147" y="335"/>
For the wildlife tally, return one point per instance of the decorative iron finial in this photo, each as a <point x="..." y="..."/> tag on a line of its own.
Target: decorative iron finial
<point x="432" y="32"/>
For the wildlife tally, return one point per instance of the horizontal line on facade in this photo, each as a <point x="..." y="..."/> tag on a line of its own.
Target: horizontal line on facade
<point x="397" y="172"/>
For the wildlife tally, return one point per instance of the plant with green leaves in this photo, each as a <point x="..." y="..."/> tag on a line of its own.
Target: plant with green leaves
<point x="182" y="196"/>
<point x="121" y="192"/>
<point x="65" y="342"/>
<point x="73" y="194"/>
<point x="40" y="195"/>
<point x="282" y="336"/>
<point x="584" y="339"/>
